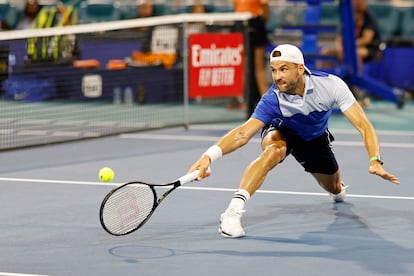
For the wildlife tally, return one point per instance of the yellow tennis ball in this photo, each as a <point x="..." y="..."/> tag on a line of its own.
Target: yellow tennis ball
<point x="106" y="174"/>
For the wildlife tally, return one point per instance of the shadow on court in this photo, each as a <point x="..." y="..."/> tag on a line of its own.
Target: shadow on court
<point x="349" y="239"/>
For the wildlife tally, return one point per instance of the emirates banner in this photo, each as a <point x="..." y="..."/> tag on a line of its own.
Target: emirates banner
<point x="216" y="65"/>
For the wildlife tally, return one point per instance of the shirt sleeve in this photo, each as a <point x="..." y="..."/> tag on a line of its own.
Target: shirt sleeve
<point x="343" y="95"/>
<point x="265" y="109"/>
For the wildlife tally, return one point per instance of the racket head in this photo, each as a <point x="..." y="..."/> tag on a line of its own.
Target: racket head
<point x="127" y="207"/>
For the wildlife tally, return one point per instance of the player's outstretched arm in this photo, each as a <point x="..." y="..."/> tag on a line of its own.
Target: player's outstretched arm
<point x="234" y="139"/>
<point x="357" y="117"/>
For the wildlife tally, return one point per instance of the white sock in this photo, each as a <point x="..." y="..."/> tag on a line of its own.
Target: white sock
<point x="239" y="200"/>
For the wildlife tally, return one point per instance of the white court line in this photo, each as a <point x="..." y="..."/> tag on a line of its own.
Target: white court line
<point x="89" y="183"/>
<point x="19" y="274"/>
<point x="54" y="181"/>
<point x="299" y="193"/>
<point x="383" y="144"/>
<point x="171" y="137"/>
<point x="379" y="132"/>
<point x="255" y="140"/>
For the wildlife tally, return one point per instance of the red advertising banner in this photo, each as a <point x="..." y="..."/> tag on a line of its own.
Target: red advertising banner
<point x="216" y="65"/>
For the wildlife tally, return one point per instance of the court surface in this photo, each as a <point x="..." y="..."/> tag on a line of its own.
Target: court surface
<point x="50" y="198"/>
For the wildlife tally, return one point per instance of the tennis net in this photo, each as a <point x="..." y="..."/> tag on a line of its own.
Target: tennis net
<point x="91" y="80"/>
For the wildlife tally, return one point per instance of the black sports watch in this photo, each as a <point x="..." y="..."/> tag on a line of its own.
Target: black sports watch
<point x="376" y="158"/>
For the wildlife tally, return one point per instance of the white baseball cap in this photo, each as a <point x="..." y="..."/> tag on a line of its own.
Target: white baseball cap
<point x="288" y="53"/>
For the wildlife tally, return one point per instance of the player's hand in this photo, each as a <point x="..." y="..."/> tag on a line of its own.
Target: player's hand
<point x="203" y="165"/>
<point x="376" y="168"/>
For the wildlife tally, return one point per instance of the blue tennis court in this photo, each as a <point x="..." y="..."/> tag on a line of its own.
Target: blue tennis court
<point x="51" y="196"/>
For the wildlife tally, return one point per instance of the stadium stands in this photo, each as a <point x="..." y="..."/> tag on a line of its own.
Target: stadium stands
<point x="388" y="18"/>
<point x="10" y="13"/>
<point x="407" y="23"/>
<point x="98" y="11"/>
<point x="394" y="21"/>
<point x="329" y="14"/>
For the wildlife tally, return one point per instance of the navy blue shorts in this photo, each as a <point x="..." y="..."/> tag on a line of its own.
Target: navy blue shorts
<point x="315" y="156"/>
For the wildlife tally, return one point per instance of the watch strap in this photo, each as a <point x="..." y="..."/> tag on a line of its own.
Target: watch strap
<point x="376" y="158"/>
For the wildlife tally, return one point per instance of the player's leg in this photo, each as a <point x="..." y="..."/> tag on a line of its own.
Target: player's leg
<point x="273" y="152"/>
<point x="317" y="158"/>
<point x="332" y="184"/>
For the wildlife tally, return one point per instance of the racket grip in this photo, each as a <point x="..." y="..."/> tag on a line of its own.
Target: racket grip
<point x="188" y="177"/>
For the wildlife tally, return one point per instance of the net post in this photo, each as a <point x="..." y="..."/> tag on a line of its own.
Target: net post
<point x="248" y="65"/>
<point x="186" y="111"/>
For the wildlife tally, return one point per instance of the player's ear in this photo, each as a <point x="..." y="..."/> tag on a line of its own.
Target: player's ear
<point x="301" y="68"/>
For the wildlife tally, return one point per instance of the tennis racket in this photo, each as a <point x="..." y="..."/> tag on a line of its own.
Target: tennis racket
<point x="129" y="206"/>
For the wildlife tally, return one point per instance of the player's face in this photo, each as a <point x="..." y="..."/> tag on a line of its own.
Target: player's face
<point x="287" y="77"/>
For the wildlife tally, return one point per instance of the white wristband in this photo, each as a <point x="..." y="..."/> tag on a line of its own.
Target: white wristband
<point x="214" y="152"/>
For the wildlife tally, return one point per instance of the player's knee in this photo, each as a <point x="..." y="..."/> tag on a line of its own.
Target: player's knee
<point x="274" y="153"/>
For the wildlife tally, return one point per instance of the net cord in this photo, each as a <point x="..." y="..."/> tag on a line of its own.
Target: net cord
<point x="209" y="18"/>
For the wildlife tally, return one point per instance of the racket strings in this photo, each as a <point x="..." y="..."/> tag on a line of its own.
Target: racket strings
<point x="128" y="207"/>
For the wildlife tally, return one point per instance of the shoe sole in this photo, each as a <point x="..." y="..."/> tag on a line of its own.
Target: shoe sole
<point x="224" y="234"/>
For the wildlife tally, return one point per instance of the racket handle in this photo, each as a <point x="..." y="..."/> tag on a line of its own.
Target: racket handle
<point x="188" y="177"/>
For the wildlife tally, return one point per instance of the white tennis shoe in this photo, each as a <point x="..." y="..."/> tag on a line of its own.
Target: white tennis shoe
<point x="230" y="224"/>
<point x="340" y="197"/>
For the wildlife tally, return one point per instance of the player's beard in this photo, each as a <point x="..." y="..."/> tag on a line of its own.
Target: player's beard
<point x="290" y="87"/>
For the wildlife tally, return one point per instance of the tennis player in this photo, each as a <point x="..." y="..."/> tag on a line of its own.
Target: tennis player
<point x="293" y="119"/>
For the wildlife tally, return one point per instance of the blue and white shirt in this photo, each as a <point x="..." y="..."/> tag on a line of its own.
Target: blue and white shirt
<point x="307" y="116"/>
